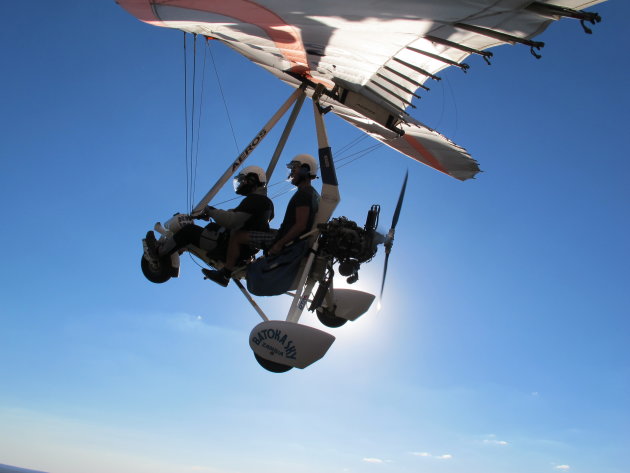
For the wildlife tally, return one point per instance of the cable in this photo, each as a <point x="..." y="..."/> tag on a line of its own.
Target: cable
<point x="455" y="105"/>
<point x="186" y="116"/>
<point x="192" y="119"/>
<point x="194" y="260"/>
<point x="363" y="152"/>
<point x="291" y="189"/>
<point x="226" y="201"/>
<point x="352" y="143"/>
<point x="227" y="111"/>
<point x="339" y="154"/>
<point x="439" y="122"/>
<point x="203" y="82"/>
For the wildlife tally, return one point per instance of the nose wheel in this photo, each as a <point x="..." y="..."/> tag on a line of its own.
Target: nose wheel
<point x="272" y="365"/>
<point x="158" y="272"/>
<point x="329" y="319"/>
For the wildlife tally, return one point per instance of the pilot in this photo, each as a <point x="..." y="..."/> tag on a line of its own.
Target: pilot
<point x="298" y="220"/>
<point x="253" y="214"/>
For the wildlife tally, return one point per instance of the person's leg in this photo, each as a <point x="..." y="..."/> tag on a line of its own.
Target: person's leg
<point x="237" y="239"/>
<point x="187" y="235"/>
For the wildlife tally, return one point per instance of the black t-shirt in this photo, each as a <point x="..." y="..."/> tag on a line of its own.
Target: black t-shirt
<point x="304" y="197"/>
<point x="260" y="207"/>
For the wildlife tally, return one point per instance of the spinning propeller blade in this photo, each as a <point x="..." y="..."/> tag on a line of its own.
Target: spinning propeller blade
<point x="383" y="281"/>
<point x="389" y="238"/>
<point x="400" y="201"/>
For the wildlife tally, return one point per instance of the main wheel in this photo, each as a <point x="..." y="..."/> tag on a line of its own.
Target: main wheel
<point x="329" y="319"/>
<point x="272" y="365"/>
<point x="159" y="273"/>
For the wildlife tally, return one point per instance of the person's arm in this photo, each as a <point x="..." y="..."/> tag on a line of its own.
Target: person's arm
<point x="229" y="219"/>
<point x="299" y="227"/>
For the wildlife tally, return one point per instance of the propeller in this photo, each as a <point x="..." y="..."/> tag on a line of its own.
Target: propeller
<point x="389" y="238"/>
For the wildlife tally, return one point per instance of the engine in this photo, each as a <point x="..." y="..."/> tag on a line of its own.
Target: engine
<point x="343" y="240"/>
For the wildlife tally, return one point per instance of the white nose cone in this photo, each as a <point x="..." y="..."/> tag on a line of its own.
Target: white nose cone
<point x="289" y="343"/>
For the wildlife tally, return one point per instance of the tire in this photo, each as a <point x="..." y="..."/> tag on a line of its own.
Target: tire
<point x="272" y="365"/>
<point x="329" y="319"/>
<point x="160" y="274"/>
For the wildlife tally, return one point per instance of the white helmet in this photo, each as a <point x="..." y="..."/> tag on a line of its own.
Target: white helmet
<point x="260" y="173"/>
<point x="305" y="160"/>
<point x="249" y="178"/>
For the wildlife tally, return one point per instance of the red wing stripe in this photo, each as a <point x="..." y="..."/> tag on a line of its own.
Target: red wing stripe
<point x="429" y="159"/>
<point x="287" y="38"/>
<point x="142" y="10"/>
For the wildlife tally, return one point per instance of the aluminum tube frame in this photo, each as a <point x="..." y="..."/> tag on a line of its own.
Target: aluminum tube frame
<point x="251" y="300"/>
<point x="287" y="131"/>
<point x="246" y="152"/>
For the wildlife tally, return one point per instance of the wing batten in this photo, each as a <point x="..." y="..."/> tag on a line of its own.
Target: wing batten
<point x="419" y="70"/>
<point x="556" y="12"/>
<point x="451" y="44"/>
<point x="397" y="85"/>
<point x="450" y="62"/>
<point x="504" y="37"/>
<point x="407" y="78"/>
<point x="393" y="94"/>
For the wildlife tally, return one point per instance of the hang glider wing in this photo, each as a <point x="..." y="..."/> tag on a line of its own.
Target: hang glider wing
<point x="372" y="57"/>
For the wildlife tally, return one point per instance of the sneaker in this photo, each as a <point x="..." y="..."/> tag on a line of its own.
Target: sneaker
<point x="220" y="277"/>
<point x="151" y="244"/>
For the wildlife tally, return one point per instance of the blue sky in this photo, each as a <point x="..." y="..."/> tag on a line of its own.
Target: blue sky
<point x="502" y="346"/>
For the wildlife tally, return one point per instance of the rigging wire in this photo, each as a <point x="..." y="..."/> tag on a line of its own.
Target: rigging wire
<point x="192" y="146"/>
<point x="291" y="189"/>
<point x="186" y="117"/>
<point x="450" y="88"/>
<point x="364" y="151"/>
<point x="227" y="111"/>
<point x="352" y="143"/>
<point x="203" y="82"/>
<point x="339" y="155"/>
<point x="361" y="154"/>
<point x="192" y="120"/>
<point x="439" y="121"/>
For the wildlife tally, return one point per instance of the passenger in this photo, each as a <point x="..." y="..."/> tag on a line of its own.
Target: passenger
<point x="298" y="220"/>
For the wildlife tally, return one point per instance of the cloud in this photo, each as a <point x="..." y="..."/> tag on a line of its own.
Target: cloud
<point x="491" y="439"/>
<point x="562" y="467"/>
<point x="373" y="460"/>
<point x="495" y="442"/>
<point x="446" y="456"/>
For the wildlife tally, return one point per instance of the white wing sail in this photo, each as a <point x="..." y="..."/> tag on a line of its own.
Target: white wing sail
<point x="372" y="57"/>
